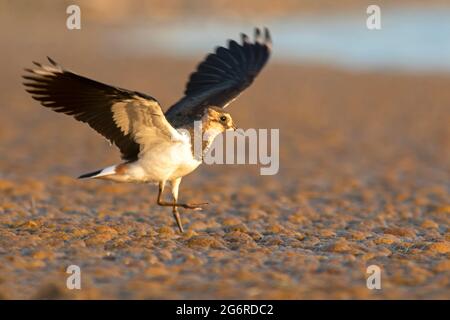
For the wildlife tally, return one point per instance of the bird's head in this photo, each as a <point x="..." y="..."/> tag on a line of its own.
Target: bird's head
<point x="217" y="119"/>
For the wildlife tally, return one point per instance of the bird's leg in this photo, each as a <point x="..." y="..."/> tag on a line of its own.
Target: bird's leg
<point x="176" y="204"/>
<point x="177" y="217"/>
<point x="174" y="207"/>
<point x="175" y="185"/>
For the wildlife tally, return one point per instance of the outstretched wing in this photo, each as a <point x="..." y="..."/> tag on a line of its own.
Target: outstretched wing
<point x="222" y="76"/>
<point x="129" y="119"/>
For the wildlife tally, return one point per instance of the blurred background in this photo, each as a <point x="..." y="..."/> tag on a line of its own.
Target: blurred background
<point x="364" y="153"/>
<point x="152" y="46"/>
<point x="413" y="37"/>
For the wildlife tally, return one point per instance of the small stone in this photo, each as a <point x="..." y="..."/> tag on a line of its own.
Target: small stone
<point x="327" y="233"/>
<point x="298" y="218"/>
<point x="443" y="209"/>
<point x="165" y="255"/>
<point x="358" y="235"/>
<point x="256" y="214"/>
<point x="79" y="232"/>
<point x="98" y="239"/>
<point x="440" y="247"/>
<point x="189" y="234"/>
<point x="203" y="242"/>
<point x="35" y="264"/>
<point x="166" y="231"/>
<point x="29" y="225"/>
<point x="368" y="256"/>
<point x="339" y="246"/>
<point x="429" y="224"/>
<point x="237" y="227"/>
<point x="231" y="221"/>
<point x="156" y="271"/>
<point x="255" y="235"/>
<point x="106" y="229"/>
<point x="274" y="228"/>
<point x="237" y="239"/>
<point x="273" y="240"/>
<point x="442" y="266"/>
<point x="401" y="232"/>
<point x="386" y="239"/>
<point x="198" y="225"/>
<point x="43" y="255"/>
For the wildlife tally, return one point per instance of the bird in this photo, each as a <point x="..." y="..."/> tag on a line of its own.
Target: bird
<point x="156" y="147"/>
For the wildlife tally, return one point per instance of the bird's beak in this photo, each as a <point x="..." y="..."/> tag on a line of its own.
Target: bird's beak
<point x="236" y="129"/>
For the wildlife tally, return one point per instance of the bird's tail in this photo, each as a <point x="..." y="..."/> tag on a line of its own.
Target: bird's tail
<point x="99" y="173"/>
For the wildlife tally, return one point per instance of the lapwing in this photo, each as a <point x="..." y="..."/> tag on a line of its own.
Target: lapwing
<point x="156" y="147"/>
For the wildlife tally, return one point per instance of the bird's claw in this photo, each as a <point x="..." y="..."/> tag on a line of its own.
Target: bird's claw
<point x="195" y="206"/>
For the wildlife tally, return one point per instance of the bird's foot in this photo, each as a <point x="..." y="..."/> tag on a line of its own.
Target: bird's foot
<point x="194" y="206"/>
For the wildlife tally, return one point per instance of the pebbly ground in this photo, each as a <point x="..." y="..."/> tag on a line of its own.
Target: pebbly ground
<point x="364" y="180"/>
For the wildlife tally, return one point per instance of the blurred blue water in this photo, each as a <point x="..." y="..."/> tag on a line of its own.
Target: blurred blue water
<point x="410" y="39"/>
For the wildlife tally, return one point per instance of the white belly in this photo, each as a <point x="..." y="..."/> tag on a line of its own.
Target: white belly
<point x="164" y="162"/>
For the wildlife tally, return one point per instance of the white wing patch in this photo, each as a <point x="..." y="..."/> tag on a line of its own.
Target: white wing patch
<point x="144" y="120"/>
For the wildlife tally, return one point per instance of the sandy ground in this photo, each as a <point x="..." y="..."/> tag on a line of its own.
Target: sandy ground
<point x="364" y="180"/>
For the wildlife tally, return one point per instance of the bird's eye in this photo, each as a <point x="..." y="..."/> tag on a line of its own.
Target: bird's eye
<point x="223" y="118"/>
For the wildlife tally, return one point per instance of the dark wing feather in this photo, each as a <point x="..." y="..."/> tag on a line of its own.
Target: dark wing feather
<point x="222" y="76"/>
<point x="88" y="101"/>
